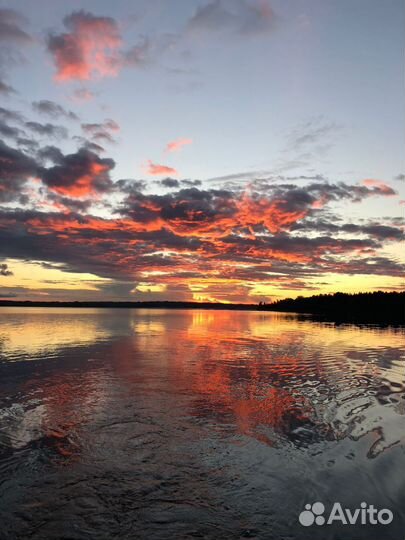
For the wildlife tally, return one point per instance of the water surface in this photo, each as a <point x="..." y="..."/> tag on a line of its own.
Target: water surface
<point x="196" y="424"/>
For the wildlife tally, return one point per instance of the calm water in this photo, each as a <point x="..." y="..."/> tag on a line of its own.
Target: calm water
<point x="196" y="424"/>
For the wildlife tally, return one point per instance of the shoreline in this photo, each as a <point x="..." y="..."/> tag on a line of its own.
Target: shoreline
<point x="321" y="317"/>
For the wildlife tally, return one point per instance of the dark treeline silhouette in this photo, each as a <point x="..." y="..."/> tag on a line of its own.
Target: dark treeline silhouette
<point x="376" y="306"/>
<point x="379" y="307"/>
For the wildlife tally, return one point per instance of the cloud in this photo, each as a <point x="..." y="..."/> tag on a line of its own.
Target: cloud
<point x="190" y="183"/>
<point x="53" y="110"/>
<point x="11" y="27"/>
<point x="170" y="183"/>
<point x="6" y="89"/>
<point x="10" y="132"/>
<point x="314" y="131"/>
<point x="91" y="48"/>
<point x="88" y="49"/>
<point x="379" y="186"/>
<point x="308" y="141"/>
<point x="275" y="208"/>
<point x="111" y="124"/>
<point x="91" y="145"/>
<point x="211" y="242"/>
<point x="372" y="229"/>
<point x="15" y="168"/>
<point x="50" y="153"/>
<point x="47" y="130"/>
<point x="80" y="174"/>
<point x="101" y="132"/>
<point x="166" y="240"/>
<point x="38" y="128"/>
<point x="154" y="169"/>
<point x="12" y="38"/>
<point x="9" y="115"/>
<point x="83" y="95"/>
<point x="4" y="270"/>
<point x="137" y="55"/>
<point x="27" y="145"/>
<point x="243" y="17"/>
<point x="176" y="145"/>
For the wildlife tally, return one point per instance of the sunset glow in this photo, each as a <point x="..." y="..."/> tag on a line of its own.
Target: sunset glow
<point x="144" y="162"/>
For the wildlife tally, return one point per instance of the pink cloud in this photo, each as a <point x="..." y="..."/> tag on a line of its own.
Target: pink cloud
<point x="176" y="145"/>
<point x="382" y="187"/>
<point x="154" y="169"/>
<point x="90" y="47"/>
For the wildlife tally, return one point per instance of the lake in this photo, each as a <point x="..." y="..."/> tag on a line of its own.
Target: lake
<point x="197" y="424"/>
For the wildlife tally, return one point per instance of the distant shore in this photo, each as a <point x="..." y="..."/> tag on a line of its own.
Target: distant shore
<point x="379" y="307"/>
<point x="159" y="304"/>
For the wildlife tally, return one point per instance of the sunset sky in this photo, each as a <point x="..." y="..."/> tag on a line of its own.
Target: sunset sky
<point x="213" y="150"/>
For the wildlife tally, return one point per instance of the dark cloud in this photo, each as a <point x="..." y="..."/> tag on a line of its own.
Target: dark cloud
<point x="10" y="132"/>
<point x="79" y="174"/>
<point x="11" y="27"/>
<point x="27" y="145"/>
<point x="375" y="230"/>
<point x="242" y="17"/>
<point x="47" y="130"/>
<point x="101" y="132"/>
<point x="320" y="193"/>
<point x="9" y="115"/>
<point x="53" y="110"/>
<point x="376" y="266"/>
<point x="90" y="145"/>
<point x="15" y="168"/>
<point x="50" y="153"/>
<point x="4" y="270"/>
<point x="170" y="183"/>
<point x="129" y="185"/>
<point x="13" y="37"/>
<point x="190" y="183"/>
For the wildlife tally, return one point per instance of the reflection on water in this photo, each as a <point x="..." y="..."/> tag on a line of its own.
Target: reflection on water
<point x="213" y="424"/>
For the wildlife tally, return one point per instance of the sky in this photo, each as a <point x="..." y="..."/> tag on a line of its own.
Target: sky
<point x="208" y="150"/>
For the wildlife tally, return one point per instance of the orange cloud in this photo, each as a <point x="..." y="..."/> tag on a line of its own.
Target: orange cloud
<point x="154" y="169"/>
<point x="83" y="185"/>
<point x="80" y="174"/>
<point x="176" y="145"/>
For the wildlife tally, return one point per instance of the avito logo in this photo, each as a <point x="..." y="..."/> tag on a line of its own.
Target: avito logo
<point x="365" y="515"/>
